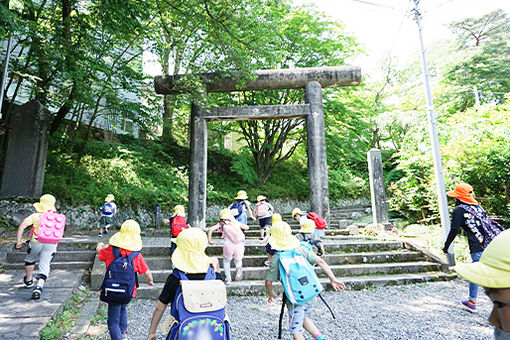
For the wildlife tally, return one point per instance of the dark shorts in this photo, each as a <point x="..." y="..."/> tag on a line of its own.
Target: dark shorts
<point x="105" y="220"/>
<point x="265" y="221"/>
<point x="270" y="250"/>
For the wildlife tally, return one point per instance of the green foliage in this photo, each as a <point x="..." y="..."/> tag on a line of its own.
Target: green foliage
<point x="135" y="173"/>
<point x="100" y="316"/>
<point x="243" y="165"/>
<point x="63" y="321"/>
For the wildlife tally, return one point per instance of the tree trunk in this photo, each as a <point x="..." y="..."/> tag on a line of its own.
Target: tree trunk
<point x="168" y="114"/>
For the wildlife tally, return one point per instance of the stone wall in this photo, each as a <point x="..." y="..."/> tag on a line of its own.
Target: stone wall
<point x="77" y="218"/>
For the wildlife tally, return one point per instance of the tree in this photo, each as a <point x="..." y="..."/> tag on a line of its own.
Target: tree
<point x="303" y="38"/>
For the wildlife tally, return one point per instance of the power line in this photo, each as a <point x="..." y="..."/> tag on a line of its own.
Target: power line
<point x="373" y="4"/>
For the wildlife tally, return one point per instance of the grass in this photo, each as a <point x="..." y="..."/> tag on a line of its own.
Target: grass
<point x="100" y="316"/>
<point x="63" y="322"/>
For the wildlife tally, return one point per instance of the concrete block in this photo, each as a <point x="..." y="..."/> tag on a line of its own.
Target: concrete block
<point x="353" y="230"/>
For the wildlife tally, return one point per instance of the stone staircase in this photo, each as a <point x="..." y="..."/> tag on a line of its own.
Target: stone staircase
<point x="73" y="253"/>
<point x="361" y="262"/>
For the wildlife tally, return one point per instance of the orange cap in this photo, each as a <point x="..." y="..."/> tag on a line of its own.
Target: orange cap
<point x="463" y="192"/>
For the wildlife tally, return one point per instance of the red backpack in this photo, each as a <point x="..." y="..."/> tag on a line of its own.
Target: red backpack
<point x="178" y="224"/>
<point x="320" y="223"/>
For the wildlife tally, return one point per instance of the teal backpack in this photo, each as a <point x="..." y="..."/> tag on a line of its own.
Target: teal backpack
<point x="298" y="278"/>
<point x="299" y="281"/>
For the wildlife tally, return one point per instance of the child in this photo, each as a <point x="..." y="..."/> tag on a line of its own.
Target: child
<point x="241" y="207"/>
<point x="263" y="211"/>
<point x="177" y="225"/>
<point x="43" y="252"/>
<point x="306" y="234"/>
<point x="233" y="245"/>
<point x="282" y="240"/>
<point x="126" y="240"/>
<point x="108" y="210"/>
<point x="189" y="258"/>
<point x="270" y="251"/>
<point x="320" y="223"/>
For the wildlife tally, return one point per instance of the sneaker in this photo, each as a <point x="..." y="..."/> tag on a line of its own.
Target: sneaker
<point x="266" y="263"/>
<point x="228" y="281"/>
<point x="469" y="304"/>
<point x="100" y="234"/>
<point x="36" y="294"/>
<point x="124" y="336"/>
<point x="28" y="283"/>
<point x="239" y="274"/>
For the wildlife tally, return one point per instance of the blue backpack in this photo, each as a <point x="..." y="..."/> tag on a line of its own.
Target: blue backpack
<point x="299" y="281"/>
<point x="206" y="319"/>
<point x="298" y="278"/>
<point x="107" y="209"/>
<point x="120" y="279"/>
<point x="236" y="208"/>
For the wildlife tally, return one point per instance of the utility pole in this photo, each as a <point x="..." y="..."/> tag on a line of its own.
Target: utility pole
<point x="436" y="152"/>
<point x="477" y="97"/>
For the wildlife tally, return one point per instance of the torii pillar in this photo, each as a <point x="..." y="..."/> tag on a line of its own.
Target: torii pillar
<point x="311" y="79"/>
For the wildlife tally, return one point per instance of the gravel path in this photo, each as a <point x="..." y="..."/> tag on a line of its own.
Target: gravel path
<point x="421" y="311"/>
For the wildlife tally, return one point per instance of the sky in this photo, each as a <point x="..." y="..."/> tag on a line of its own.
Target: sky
<point x="387" y="26"/>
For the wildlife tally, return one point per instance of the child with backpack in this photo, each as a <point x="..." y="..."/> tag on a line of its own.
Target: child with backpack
<point x="195" y="275"/>
<point x="292" y="265"/>
<point x="177" y="224"/>
<point x="263" y="210"/>
<point x="123" y="262"/>
<point x="47" y="230"/>
<point x="320" y="223"/>
<point x="478" y="227"/>
<point x="233" y="244"/>
<point x="108" y="210"/>
<point x="241" y="208"/>
<point x="306" y="234"/>
<point x="270" y="251"/>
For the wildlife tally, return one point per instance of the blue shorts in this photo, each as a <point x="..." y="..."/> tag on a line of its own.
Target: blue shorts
<point x="297" y="316"/>
<point x="270" y="250"/>
<point x="265" y="222"/>
<point x="320" y="233"/>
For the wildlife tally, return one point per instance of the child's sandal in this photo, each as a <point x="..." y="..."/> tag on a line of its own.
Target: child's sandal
<point x="28" y="283"/>
<point x="36" y="294"/>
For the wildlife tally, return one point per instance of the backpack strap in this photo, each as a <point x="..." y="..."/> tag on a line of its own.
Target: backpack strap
<point x="330" y="310"/>
<point x="133" y="254"/>
<point x="210" y="275"/>
<point x="284" y="299"/>
<point x="179" y="274"/>
<point x="116" y="252"/>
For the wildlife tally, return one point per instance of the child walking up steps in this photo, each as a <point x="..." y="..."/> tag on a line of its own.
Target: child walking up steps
<point x="233" y="245"/>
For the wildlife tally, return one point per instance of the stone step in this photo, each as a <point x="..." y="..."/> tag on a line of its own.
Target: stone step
<point x="253" y="248"/>
<point x="257" y="287"/>
<point x="68" y="265"/>
<point x="161" y="263"/>
<point x="259" y="273"/>
<point x="60" y="256"/>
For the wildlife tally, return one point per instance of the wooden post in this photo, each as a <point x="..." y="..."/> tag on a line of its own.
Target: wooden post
<point x="197" y="191"/>
<point x="316" y="151"/>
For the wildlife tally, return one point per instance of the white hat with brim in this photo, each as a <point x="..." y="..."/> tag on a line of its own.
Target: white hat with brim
<point x="241" y="195"/>
<point x="189" y="256"/>
<point x="46" y="203"/>
<point x="493" y="270"/>
<point x="308" y="227"/>
<point x="281" y="237"/>
<point x="128" y="237"/>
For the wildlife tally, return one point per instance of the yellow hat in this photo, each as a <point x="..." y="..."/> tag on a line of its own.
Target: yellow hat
<point x="226" y="214"/>
<point x="281" y="237"/>
<point x="297" y="211"/>
<point x="276" y="218"/>
<point x="109" y="198"/>
<point x="179" y="211"/>
<point x="189" y="256"/>
<point x="128" y="237"/>
<point x="308" y="227"/>
<point x="46" y="202"/>
<point x="493" y="270"/>
<point x="241" y="195"/>
<point x="261" y="197"/>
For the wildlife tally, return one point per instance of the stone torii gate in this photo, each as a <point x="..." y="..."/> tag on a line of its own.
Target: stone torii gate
<point x="311" y="79"/>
